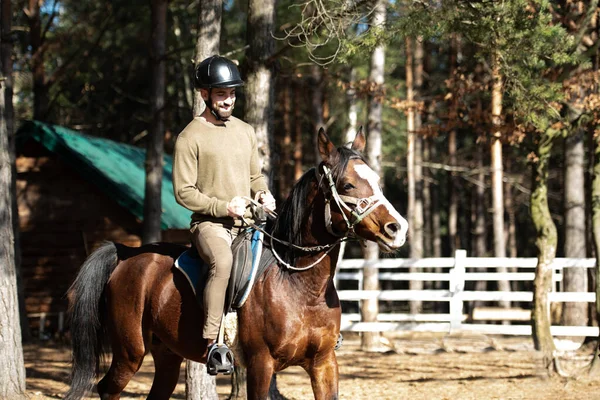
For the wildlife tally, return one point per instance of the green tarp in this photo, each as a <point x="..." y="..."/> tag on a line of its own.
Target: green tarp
<point x="116" y="168"/>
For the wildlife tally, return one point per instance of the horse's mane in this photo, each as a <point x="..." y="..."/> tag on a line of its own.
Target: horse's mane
<point x="294" y="210"/>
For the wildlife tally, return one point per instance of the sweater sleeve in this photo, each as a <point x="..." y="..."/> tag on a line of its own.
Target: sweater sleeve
<point x="185" y="177"/>
<point x="258" y="182"/>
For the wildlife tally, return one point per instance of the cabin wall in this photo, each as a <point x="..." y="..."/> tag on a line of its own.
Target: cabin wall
<point x="62" y="218"/>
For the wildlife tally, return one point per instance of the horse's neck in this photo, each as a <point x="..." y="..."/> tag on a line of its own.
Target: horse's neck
<point x="320" y="276"/>
<point x="316" y="280"/>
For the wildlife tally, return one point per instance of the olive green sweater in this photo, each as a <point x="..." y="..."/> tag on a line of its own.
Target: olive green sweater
<point x="213" y="164"/>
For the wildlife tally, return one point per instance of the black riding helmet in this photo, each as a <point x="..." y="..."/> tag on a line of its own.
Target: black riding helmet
<point x="217" y="72"/>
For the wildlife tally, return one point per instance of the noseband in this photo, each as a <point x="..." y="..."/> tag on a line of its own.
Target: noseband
<point x="362" y="206"/>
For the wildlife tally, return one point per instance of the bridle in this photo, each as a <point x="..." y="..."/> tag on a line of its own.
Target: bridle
<point x="362" y="207"/>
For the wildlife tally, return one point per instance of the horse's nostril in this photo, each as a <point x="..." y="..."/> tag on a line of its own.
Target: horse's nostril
<point x="392" y="228"/>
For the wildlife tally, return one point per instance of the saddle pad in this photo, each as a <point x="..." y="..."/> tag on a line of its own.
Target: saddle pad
<point x="190" y="263"/>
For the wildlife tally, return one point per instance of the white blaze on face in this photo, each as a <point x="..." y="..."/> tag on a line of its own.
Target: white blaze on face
<point x="366" y="173"/>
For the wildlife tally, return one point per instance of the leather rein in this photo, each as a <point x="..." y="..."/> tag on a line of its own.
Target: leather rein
<point x="362" y="208"/>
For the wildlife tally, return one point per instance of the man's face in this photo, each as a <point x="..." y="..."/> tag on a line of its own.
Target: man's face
<point x="222" y="100"/>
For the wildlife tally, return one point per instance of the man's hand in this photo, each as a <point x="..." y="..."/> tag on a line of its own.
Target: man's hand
<point x="268" y="201"/>
<point x="236" y="207"/>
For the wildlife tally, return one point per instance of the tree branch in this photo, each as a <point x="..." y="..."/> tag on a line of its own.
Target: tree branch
<point x="60" y="71"/>
<point x="47" y="27"/>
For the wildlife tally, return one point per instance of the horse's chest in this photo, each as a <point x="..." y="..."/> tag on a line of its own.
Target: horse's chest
<point x="305" y="332"/>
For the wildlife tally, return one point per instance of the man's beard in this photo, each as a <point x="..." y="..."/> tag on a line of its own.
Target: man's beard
<point x="224" y="115"/>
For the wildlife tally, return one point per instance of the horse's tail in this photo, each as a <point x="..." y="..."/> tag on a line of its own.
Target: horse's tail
<point x="88" y="338"/>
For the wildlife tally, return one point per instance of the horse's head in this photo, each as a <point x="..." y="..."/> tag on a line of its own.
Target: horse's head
<point x="355" y="199"/>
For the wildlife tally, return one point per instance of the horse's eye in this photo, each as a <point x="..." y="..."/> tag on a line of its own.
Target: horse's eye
<point x="349" y="186"/>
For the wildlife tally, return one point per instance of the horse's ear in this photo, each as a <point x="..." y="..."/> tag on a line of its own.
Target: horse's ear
<point x="326" y="148"/>
<point x="359" y="141"/>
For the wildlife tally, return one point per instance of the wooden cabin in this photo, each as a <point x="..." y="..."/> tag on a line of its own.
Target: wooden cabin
<point x="73" y="193"/>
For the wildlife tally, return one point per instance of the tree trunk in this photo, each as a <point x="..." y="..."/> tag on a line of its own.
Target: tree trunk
<point x="480" y="232"/>
<point x="12" y="369"/>
<point x="596" y="235"/>
<point x="200" y="385"/>
<point x="284" y="181"/>
<point x="41" y="100"/>
<point x="497" y="175"/>
<point x="511" y="231"/>
<point x="260" y="86"/>
<point x="427" y="212"/>
<point x="546" y="244"/>
<point x="185" y="85"/>
<point x="260" y="91"/>
<point x="575" y="279"/>
<point x="480" y="248"/>
<point x="417" y="227"/>
<point x="151" y="231"/>
<point x="436" y="220"/>
<point x="410" y="127"/>
<point x="414" y="63"/>
<point x="298" y="166"/>
<point x="7" y="73"/>
<point x="370" y="308"/>
<point x="207" y="44"/>
<point x="352" y="107"/>
<point x="417" y="213"/>
<point x="317" y="83"/>
<point x="350" y="134"/>
<point x="452" y="196"/>
<point x="453" y="121"/>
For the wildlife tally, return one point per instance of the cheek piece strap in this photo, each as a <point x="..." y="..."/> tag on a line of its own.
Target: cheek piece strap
<point x="362" y="206"/>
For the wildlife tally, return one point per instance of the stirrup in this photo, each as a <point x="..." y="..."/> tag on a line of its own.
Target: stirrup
<point x="219" y="360"/>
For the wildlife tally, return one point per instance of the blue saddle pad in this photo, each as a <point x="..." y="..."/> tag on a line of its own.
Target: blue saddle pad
<point x="190" y="263"/>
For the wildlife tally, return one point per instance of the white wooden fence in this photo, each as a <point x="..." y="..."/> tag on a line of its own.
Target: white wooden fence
<point x="456" y="272"/>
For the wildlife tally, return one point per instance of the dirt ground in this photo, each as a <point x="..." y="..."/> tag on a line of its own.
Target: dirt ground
<point x="417" y="366"/>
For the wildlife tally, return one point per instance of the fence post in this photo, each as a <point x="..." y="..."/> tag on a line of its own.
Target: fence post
<point x="457" y="285"/>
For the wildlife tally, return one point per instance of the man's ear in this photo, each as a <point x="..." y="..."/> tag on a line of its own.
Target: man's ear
<point x="204" y="94"/>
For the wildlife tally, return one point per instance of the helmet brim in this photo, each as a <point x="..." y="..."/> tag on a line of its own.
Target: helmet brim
<point x="223" y="85"/>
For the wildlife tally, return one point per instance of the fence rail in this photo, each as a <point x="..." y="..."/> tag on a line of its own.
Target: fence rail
<point x="454" y="273"/>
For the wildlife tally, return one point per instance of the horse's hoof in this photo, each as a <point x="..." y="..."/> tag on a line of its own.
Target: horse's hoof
<point x="219" y="360"/>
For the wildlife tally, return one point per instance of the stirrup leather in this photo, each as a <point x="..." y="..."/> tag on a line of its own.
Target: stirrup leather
<point x="219" y="360"/>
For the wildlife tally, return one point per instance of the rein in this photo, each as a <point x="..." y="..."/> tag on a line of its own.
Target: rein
<point x="362" y="208"/>
<point x="309" y="249"/>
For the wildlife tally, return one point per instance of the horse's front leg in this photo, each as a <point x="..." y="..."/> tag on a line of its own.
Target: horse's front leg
<point x="324" y="375"/>
<point x="258" y="380"/>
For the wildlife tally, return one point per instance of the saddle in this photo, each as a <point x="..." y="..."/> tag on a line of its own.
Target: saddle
<point x="248" y="265"/>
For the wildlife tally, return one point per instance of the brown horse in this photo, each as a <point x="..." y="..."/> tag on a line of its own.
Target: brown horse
<point x="139" y="302"/>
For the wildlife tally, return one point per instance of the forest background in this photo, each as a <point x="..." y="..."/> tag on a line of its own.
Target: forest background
<point x="481" y="116"/>
<point x="88" y="66"/>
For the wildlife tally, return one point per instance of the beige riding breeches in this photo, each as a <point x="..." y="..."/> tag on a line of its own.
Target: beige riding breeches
<point x="213" y="242"/>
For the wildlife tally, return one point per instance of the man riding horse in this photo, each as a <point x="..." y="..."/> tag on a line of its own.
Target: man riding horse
<point x="216" y="165"/>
